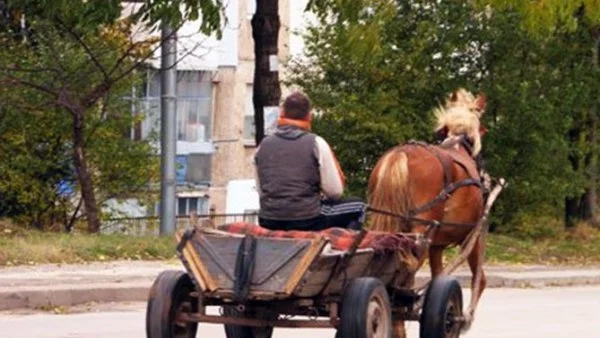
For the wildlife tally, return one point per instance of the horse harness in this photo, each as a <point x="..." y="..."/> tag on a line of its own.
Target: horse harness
<point x="446" y="159"/>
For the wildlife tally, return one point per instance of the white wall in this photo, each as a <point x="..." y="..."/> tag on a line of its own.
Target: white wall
<point x="299" y="21"/>
<point x="196" y="51"/>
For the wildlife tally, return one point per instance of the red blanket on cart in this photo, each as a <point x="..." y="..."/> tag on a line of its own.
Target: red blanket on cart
<point x="340" y="239"/>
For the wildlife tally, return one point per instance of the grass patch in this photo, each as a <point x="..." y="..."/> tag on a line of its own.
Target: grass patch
<point x="578" y="246"/>
<point x="20" y="246"/>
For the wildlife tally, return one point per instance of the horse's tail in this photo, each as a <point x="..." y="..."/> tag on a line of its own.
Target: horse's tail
<point x="389" y="191"/>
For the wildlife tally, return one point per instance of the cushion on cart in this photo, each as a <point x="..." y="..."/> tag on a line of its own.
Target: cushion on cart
<point x="340" y="238"/>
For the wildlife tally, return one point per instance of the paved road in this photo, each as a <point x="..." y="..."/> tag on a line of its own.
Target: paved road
<point x="514" y="313"/>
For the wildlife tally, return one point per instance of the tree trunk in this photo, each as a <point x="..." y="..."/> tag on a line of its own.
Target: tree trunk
<point x="83" y="174"/>
<point x="572" y="203"/>
<point x="266" y="90"/>
<point x="593" y="169"/>
<point x="584" y="207"/>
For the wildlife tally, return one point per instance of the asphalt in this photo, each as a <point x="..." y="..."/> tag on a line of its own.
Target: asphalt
<point x="50" y="286"/>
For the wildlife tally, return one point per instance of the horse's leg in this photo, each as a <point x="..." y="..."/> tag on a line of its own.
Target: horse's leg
<point x="435" y="260"/>
<point x="436" y="266"/>
<point x="475" y="260"/>
<point x="398" y="329"/>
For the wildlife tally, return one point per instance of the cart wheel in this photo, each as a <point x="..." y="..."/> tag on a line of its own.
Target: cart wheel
<point x="170" y="296"/>
<point x="442" y="309"/>
<point x="236" y="331"/>
<point x="365" y="310"/>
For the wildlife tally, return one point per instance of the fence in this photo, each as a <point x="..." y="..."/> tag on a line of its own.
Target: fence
<point x="142" y="226"/>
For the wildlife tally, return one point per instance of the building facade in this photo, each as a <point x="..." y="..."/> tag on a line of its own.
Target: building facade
<point x="215" y="128"/>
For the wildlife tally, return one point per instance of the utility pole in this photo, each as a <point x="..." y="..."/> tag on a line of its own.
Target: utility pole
<point x="168" y="125"/>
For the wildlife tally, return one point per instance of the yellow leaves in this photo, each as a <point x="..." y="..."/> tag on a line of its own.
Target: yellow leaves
<point x="121" y="34"/>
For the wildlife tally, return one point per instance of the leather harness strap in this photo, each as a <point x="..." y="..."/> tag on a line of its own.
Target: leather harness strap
<point x="446" y="158"/>
<point x="445" y="194"/>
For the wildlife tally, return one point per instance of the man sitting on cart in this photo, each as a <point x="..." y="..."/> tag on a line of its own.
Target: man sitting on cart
<point x="299" y="179"/>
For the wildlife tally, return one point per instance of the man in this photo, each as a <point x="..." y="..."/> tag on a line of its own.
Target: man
<point x="299" y="180"/>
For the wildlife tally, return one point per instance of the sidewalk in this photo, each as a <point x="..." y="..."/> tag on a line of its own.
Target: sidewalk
<point x="45" y="286"/>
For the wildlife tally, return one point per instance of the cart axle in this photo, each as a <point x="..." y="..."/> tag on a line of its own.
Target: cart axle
<point x="192" y="317"/>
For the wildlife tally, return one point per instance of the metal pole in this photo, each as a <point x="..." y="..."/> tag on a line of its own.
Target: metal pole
<point x="168" y="125"/>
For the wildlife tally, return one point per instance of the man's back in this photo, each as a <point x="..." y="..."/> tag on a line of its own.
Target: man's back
<point x="288" y="172"/>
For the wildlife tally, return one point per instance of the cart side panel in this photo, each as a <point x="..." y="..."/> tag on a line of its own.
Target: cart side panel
<point x="276" y="261"/>
<point x="395" y="269"/>
<point x="357" y="266"/>
<point x="319" y="274"/>
<point x="316" y="277"/>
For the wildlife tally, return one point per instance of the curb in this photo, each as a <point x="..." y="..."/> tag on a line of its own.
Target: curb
<point x="41" y="297"/>
<point x="57" y="297"/>
<point x="495" y="282"/>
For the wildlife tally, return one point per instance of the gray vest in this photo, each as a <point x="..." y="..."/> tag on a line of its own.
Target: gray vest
<point x="288" y="171"/>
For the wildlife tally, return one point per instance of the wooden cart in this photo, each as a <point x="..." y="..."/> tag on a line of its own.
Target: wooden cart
<point x="261" y="283"/>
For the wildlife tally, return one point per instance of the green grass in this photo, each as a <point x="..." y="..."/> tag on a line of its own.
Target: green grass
<point x="580" y="246"/>
<point x="19" y="246"/>
<point x="562" y="250"/>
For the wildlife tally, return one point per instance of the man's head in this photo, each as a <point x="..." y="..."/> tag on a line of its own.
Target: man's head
<point x="297" y="107"/>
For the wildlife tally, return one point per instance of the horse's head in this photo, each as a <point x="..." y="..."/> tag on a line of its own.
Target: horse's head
<point x="460" y="117"/>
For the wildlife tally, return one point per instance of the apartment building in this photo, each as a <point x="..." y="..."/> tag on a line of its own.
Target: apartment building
<point x="215" y="130"/>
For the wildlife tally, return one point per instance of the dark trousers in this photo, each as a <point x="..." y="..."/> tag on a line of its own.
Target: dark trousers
<point x="346" y="213"/>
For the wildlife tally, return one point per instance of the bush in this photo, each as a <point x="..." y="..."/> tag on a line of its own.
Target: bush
<point x="527" y="225"/>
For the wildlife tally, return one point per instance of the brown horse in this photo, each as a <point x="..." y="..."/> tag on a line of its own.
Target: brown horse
<point x="442" y="183"/>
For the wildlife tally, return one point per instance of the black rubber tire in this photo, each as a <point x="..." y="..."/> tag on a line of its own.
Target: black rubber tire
<point x="236" y="331"/>
<point x="443" y="303"/>
<point x="169" y="295"/>
<point x="365" y="310"/>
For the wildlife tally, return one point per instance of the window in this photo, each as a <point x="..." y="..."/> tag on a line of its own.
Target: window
<point x="194" y="106"/>
<point x="193" y="118"/>
<point x="249" y="128"/>
<point x="188" y="205"/>
<point x="271" y="114"/>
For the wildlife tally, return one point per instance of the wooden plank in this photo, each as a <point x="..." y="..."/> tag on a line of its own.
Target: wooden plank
<point x="194" y="269"/>
<point x="201" y="273"/>
<point x="313" y="251"/>
<point x="356" y="267"/>
<point x="190" y="263"/>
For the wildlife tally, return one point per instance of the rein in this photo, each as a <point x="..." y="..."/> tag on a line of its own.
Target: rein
<point x="417" y="219"/>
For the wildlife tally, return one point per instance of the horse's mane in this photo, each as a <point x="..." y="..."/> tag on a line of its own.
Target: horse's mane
<point x="460" y="116"/>
<point x="464" y="98"/>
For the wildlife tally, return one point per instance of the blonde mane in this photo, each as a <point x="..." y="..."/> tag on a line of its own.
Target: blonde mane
<point x="460" y="116"/>
<point x="464" y="98"/>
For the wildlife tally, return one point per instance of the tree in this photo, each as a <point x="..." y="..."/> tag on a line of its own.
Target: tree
<point x="265" y="32"/>
<point x="375" y="73"/>
<point x="375" y="70"/>
<point x="74" y="53"/>
<point x="570" y="18"/>
<point x="266" y="89"/>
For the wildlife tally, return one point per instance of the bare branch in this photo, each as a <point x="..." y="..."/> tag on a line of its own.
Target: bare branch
<point x="85" y="46"/>
<point x="14" y="80"/>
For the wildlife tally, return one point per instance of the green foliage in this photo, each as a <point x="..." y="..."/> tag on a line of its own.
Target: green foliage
<point x="376" y="73"/>
<point x="549" y="16"/>
<point x="32" y="163"/>
<point x="540" y="91"/>
<point x="87" y="15"/>
<point x="36" y="121"/>
<point x="377" y="70"/>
